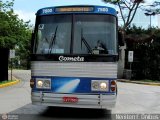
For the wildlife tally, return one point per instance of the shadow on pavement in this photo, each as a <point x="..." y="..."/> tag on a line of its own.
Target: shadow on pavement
<point x="34" y="112"/>
<point x="76" y="113"/>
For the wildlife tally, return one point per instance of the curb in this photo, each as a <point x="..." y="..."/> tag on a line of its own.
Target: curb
<point x="10" y="83"/>
<point x="139" y="82"/>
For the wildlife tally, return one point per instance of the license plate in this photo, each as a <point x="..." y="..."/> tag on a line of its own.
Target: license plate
<point x="70" y="99"/>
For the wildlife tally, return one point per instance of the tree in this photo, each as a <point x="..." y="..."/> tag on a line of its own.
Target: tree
<point x="7" y="6"/>
<point x="146" y="63"/>
<point x="13" y="31"/>
<point x="127" y="9"/>
<point x="152" y="10"/>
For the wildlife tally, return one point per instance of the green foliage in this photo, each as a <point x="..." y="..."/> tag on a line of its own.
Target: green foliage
<point x="146" y="63"/>
<point x="14" y="32"/>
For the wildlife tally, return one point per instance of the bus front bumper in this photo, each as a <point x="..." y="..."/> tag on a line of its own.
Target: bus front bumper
<point x="101" y="101"/>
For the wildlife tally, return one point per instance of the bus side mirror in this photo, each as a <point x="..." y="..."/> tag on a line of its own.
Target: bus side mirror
<point x="120" y="39"/>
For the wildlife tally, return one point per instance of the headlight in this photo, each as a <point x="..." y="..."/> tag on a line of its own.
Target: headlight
<point x="39" y="83"/>
<point x="43" y="83"/>
<point x="103" y="86"/>
<point x="99" y="85"/>
<point x="47" y="83"/>
<point x="95" y="85"/>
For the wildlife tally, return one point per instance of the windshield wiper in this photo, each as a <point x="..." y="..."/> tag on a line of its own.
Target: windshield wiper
<point x="85" y="42"/>
<point x="53" y="39"/>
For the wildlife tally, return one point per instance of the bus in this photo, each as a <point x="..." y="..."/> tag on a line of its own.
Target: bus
<point x="74" y="57"/>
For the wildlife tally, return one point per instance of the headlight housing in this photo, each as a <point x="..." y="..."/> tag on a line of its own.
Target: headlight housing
<point x="43" y="83"/>
<point x="100" y="85"/>
<point x="103" y="86"/>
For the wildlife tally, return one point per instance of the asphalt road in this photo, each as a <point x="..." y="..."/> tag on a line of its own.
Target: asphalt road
<point x="132" y="98"/>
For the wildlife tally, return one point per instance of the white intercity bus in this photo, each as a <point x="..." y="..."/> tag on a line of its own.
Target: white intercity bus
<point x="74" y="57"/>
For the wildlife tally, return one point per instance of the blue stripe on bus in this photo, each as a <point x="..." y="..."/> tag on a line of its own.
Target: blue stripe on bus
<point x="72" y="84"/>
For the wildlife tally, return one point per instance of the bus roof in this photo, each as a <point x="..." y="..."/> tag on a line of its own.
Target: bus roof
<point x="81" y="9"/>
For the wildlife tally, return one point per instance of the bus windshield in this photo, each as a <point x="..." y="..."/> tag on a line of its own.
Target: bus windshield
<point x="53" y="34"/>
<point x="76" y="34"/>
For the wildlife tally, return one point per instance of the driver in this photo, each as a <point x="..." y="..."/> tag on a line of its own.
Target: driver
<point x="101" y="47"/>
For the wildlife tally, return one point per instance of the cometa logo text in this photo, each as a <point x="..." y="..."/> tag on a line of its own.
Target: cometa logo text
<point x="79" y="59"/>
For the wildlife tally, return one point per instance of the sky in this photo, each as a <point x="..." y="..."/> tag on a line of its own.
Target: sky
<point x="26" y="9"/>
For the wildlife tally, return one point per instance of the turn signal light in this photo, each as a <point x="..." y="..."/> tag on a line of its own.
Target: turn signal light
<point x="113" y="85"/>
<point x="31" y="83"/>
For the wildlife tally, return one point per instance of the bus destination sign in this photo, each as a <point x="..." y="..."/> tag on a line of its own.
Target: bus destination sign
<point x="74" y="9"/>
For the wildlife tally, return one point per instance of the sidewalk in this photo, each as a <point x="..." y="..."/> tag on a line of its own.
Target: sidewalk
<point x="16" y="81"/>
<point x="139" y="82"/>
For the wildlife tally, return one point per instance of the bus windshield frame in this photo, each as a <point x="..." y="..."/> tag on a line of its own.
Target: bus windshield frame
<point x="76" y="34"/>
